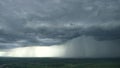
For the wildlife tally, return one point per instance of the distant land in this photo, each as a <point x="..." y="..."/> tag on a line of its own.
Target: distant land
<point x="24" y="62"/>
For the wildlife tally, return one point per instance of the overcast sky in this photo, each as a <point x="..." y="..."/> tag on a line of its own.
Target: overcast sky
<point x="87" y="28"/>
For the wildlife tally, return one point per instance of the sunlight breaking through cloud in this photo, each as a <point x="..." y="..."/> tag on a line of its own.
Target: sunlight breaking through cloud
<point x="35" y="51"/>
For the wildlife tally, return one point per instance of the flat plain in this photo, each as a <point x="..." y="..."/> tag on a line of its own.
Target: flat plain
<point x="59" y="62"/>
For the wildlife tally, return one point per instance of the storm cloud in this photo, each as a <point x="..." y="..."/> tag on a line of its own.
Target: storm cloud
<point x="50" y="22"/>
<point x="89" y="47"/>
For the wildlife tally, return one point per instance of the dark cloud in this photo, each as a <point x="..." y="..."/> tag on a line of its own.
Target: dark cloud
<point x="44" y="22"/>
<point x="88" y="47"/>
<point x="103" y="34"/>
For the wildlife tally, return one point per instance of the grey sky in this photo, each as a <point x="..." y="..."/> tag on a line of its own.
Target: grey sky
<point x="53" y="22"/>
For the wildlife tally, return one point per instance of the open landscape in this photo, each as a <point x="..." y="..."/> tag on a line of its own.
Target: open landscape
<point x="59" y="33"/>
<point x="58" y="63"/>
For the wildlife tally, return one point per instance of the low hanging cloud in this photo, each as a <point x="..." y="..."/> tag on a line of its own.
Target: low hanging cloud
<point x="44" y="22"/>
<point x="88" y="47"/>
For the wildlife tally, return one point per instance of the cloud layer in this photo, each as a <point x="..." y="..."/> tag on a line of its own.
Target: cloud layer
<point x="44" y="22"/>
<point x="88" y="47"/>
